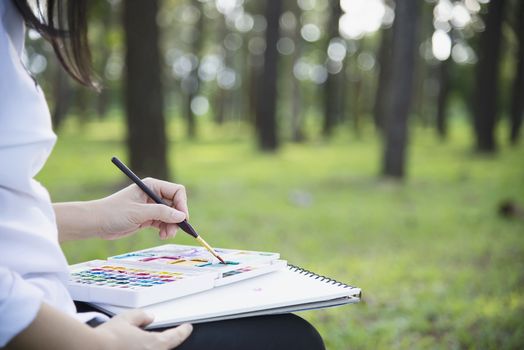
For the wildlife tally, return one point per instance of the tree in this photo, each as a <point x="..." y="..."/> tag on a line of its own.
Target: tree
<point x="517" y="101"/>
<point x="487" y="75"/>
<point x="423" y="101"/>
<point x="104" y="49"/>
<point x="193" y="83"/>
<point x="399" y="97"/>
<point x="384" y="78"/>
<point x="442" y="97"/>
<point x="266" y="102"/>
<point x="62" y="95"/>
<point x="221" y="96"/>
<point x="333" y="90"/>
<point x="297" y="129"/>
<point x="144" y="103"/>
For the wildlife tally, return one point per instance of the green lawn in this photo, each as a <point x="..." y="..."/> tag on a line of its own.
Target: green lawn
<point x="438" y="267"/>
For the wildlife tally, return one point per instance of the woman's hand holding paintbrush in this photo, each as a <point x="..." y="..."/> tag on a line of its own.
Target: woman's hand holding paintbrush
<point x="184" y="225"/>
<point x="123" y="213"/>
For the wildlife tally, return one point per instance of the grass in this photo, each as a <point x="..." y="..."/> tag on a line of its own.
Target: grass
<point x="439" y="269"/>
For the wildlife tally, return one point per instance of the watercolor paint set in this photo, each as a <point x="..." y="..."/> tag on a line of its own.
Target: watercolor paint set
<point x="163" y="273"/>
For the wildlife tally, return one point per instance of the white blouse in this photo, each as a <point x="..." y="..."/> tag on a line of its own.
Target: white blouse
<point x="33" y="268"/>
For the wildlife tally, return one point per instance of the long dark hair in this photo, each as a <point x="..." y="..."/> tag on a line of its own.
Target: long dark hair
<point x="64" y="24"/>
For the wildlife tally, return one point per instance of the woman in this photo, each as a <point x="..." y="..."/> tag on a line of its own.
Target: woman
<point x="35" y="307"/>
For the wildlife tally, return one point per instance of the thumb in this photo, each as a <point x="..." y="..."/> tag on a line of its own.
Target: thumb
<point x="176" y="336"/>
<point x="159" y="212"/>
<point x="136" y="318"/>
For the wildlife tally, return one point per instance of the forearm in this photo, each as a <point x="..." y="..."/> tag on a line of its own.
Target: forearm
<point x="52" y="329"/>
<point x="123" y="213"/>
<point x="76" y="220"/>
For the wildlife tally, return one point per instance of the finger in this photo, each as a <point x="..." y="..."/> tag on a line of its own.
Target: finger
<point x="136" y="317"/>
<point x="171" y="230"/>
<point x="165" y="231"/>
<point x="147" y="224"/>
<point x="156" y="224"/>
<point x="170" y="191"/>
<point x="162" y="230"/>
<point x="147" y="212"/>
<point x="167" y="201"/>
<point x="180" y="201"/>
<point x="176" y="336"/>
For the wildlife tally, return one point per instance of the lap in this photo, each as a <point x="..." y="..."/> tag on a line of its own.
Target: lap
<point x="286" y="331"/>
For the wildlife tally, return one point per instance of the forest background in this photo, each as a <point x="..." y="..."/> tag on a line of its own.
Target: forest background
<point x="376" y="142"/>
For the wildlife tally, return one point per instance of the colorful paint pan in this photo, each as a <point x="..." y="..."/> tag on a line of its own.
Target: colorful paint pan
<point x="120" y="276"/>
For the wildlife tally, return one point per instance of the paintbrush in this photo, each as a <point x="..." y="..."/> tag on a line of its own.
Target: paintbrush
<point x="184" y="225"/>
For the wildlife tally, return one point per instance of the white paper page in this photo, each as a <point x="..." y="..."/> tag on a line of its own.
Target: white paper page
<point x="281" y="288"/>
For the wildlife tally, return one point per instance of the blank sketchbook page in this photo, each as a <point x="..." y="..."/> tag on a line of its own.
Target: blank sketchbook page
<point x="283" y="288"/>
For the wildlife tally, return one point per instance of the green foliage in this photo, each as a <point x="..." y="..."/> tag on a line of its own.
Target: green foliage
<point x="438" y="267"/>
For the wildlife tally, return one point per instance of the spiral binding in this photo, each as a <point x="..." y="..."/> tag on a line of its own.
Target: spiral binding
<point x="321" y="278"/>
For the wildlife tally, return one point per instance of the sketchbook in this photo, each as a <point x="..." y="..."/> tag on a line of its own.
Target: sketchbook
<point x="290" y="289"/>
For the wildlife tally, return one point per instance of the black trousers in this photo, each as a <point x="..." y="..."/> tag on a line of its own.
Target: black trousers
<point x="275" y="332"/>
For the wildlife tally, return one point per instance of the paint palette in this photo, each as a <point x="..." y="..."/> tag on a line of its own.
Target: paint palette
<point x="163" y="273"/>
<point x="240" y="264"/>
<point x="126" y="285"/>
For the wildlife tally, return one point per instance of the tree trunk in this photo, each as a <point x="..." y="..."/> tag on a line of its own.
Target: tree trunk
<point x="384" y="78"/>
<point x="147" y="145"/>
<point x="334" y="83"/>
<point x="422" y="105"/>
<point x="267" y="92"/>
<point x="104" y="48"/>
<point x="83" y="104"/>
<point x="254" y="79"/>
<point x="399" y="97"/>
<point x="442" y="98"/>
<point x="198" y="41"/>
<point x="358" y="105"/>
<point x="517" y="101"/>
<point x="62" y="94"/>
<point x="221" y="95"/>
<point x="220" y="102"/>
<point x="243" y="93"/>
<point x="487" y="75"/>
<point x="103" y="102"/>
<point x="297" y="132"/>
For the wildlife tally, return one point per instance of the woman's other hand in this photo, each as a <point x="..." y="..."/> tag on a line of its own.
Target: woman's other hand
<point x="53" y="329"/>
<point x="123" y="332"/>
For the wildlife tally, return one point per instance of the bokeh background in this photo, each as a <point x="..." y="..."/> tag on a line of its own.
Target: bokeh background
<point x="372" y="141"/>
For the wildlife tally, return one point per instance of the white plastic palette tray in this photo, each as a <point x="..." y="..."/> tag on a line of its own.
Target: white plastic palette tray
<point x="241" y="264"/>
<point x="194" y="257"/>
<point x="127" y="285"/>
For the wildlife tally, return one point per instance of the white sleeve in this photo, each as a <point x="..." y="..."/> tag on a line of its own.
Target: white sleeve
<point x="19" y="304"/>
